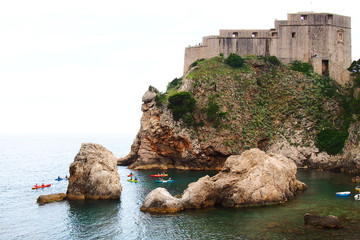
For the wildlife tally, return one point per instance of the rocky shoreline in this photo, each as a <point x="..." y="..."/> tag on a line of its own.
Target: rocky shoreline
<point x="251" y="179"/>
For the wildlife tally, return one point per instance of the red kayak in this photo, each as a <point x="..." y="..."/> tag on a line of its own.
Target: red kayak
<point x="41" y="186"/>
<point x="159" y="175"/>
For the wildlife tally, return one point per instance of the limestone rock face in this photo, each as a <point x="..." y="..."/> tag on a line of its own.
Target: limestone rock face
<point x="161" y="201"/>
<point x="93" y="174"/>
<point x="255" y="178"/>
<point x="57" y="197"/>
<point x="163" y="143"/>
<point x="348" y="161"/>
<point x="328" y="222"/>
<point x="351" y="151"/>
<point x="200" y="194"/>
<point x="251" y="179"/>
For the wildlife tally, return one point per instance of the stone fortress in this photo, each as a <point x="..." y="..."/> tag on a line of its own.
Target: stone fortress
<point x="321" y="39"/>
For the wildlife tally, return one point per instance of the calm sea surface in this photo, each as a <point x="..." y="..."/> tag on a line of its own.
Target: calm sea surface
<point x="26" y="160"/>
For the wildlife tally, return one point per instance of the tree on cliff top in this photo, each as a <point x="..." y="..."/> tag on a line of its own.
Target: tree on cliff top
<point x="181" y="103"/>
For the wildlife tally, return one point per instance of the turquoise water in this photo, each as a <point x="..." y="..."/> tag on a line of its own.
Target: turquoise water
<point x="26" y="160"/>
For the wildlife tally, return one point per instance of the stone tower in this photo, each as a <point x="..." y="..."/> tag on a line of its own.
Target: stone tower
<point x="321" y="39"/>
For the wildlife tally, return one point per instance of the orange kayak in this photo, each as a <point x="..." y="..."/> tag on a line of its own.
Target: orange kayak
<point x="41" y="186"/>
<point x="159" y="175"/>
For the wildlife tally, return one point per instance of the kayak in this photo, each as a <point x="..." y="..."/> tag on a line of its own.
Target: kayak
<point x="41" y="186"/>
<point x="59" y="179"/>
<point x="357" y="188"/>
<point x="130" y="175"/>
<point x="164" y="181"/>
<point x="132" y="180"/>
<point x="343" y="194"/>
<point x="357" y="197"/>
<point x="159" y="175"/>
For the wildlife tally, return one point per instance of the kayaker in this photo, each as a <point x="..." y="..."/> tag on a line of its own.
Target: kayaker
<point x="66" y="177"/>
<point x="42" y="185"/>
<point x="130" y="178"/>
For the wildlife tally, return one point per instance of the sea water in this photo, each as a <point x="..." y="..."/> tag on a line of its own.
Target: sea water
<point x="26" y="160"/>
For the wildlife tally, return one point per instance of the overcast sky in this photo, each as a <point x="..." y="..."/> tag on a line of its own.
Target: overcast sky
<point x="82" y="66"/>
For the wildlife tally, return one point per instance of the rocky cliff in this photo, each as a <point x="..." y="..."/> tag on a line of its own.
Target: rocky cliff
<point x="263" y="104"/>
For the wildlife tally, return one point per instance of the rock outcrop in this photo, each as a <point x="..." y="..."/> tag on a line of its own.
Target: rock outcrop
<point x="56" y="197"/>
<point x="348" y="161"/>
<point x="162" y="143"/>
<point x="328" y="222"/>
<point x="252" y="179"/>
<point x="93" y="174"/>
<point x="160" y="201"/>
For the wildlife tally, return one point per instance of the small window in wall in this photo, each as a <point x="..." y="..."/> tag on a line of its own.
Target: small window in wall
<point x="303" y="17"/>
<point x="325" y="67"/>
<point x="341" y="36"/>
<point x="254" y="34"/>
<point x="274" y="34"/>
<point x="293" y="34"/>
<point x="235" y="34"/>
<point x="330" y="17"/>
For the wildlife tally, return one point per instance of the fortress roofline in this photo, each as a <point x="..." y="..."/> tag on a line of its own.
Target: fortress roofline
<point x="320" y="39"/>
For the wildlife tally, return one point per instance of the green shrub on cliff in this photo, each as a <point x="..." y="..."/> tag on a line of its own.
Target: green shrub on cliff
<point x="181" y="103"/>
<point x="234" y="60"/>
<point x="355" y="72"/>
<point x="212" y="111"/>
<point x="174" y="85"/>
<point x="301" y="67"/>
<point x="273" y="60"/>
<point x="331" y="140"/>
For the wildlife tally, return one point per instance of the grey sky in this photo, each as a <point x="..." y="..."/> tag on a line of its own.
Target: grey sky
<point x="82" y="66"/>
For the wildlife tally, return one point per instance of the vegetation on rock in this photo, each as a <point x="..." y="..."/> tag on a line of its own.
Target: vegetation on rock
<point x="245" y="102"/>
<point x="234" y="60"/>
<point x="182" y="105"/>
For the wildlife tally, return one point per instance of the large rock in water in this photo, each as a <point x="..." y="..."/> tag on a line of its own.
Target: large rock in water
<point x="56" y="197"/>
<point x="93" y="174"/>
<point x="161" y="201"/>
<point x="251" y="179"/>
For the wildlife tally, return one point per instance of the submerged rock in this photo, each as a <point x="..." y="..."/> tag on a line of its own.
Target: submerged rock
<point x="93" y="174"/>
<point x="57" y="197"/>
<point x="251" y="179"/>
<point x="329" y="222"/>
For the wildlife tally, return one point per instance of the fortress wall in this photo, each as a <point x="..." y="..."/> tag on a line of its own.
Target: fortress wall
<point x="208" y="49"/>
<point x="321" y="39"/>
<point x="243" y="46"/>
<point x="213" y="46"/>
